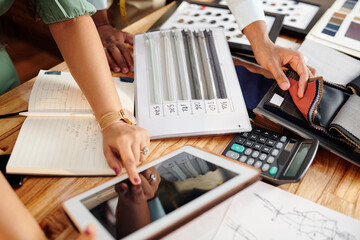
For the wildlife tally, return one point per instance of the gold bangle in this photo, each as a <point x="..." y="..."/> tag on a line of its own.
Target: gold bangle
<point x="112" y="117"/>
<point x="123" y="11"/>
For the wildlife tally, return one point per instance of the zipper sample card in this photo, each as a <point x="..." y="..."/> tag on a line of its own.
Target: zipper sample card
<point x="186" y="84"/>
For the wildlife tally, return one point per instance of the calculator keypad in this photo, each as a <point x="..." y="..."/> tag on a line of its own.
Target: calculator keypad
<point x="259" y="148"/>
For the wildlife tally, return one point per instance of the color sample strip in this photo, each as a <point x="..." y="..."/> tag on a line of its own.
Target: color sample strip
<point x="218" y="75"/>
<point x="353" y="31"/>
<point x="348" y="5"/>
<point x="180" y="67"/>
<point x="154" y="75"/>
<point x="169" y="88"/>
<point x="193" y="65"/>
<point x="334" y="24"/>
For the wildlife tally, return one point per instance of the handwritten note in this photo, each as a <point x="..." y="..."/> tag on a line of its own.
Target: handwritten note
<point x="52" y="92"/>
<point x="60" y="144"/>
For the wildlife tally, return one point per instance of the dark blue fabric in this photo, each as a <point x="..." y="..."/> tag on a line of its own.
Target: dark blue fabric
<point x="53" y="73"/>
<point x="126" y="79"/>
<point x="253" y="86"/>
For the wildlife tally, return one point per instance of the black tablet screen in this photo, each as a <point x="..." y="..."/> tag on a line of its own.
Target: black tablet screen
<point x="124" y="208"/>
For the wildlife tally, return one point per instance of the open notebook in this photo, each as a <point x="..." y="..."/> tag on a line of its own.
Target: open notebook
<point x="64" y="138"/>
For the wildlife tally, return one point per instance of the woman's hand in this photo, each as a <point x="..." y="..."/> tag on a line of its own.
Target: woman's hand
<point x="123" y="144"/>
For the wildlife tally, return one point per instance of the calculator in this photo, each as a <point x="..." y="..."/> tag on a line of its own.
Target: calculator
<point x="281" y="159"/>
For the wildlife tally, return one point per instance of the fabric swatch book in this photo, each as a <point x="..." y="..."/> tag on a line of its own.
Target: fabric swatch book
<point x="339" y="27"/>
<point x="61" y="136"/>
<point x="327" y="112"/>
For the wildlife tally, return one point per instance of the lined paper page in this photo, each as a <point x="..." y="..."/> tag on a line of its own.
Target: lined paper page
<point x="62" y="145"/>
<point x="59" y="146"/>
<point x="59" y="93"/>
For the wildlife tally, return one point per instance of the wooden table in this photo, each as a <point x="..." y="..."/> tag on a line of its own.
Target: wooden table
<point x="331" y="181"/>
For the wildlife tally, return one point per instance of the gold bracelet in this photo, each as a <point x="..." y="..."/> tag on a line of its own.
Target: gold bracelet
<point x="112" y="117"/>
<point x="123" y="11"/>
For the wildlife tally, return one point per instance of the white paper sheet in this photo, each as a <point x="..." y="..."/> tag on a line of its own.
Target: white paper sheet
<point x="203" y="227"/>
<point x="262" y="211"/>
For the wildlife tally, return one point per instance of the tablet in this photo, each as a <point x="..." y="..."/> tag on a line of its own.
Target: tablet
<point x="175" y="189"/>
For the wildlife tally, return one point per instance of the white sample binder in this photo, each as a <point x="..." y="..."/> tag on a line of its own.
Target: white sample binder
<point x="186" y="84"/>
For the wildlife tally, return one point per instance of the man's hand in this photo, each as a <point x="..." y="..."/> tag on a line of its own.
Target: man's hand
<point x="114" y="43"/>
<point x="117" y="54"/>
<point x="273" y="58"/>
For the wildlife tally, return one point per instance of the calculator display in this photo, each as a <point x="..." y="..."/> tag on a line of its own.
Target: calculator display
<point x="297" y="160"/>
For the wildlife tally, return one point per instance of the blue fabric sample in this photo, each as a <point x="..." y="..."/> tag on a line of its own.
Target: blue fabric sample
<point x="126" y="79"/>
<point x="253" y="86"/>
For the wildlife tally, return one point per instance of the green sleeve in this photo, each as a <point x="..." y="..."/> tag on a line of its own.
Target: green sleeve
<point x="52" y="11"/>
<point x="8" y="76"/>
<point x="5" y="5"/>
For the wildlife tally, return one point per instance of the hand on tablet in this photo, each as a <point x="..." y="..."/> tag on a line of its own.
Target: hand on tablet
<point x="124" y="147"/>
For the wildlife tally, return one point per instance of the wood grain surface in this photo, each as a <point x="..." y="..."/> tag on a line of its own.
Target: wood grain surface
<point x="331" y="181"/>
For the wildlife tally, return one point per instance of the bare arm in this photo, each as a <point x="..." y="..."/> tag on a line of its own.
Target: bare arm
<point x="81" y="48"/>
<point x="15" y="221"/>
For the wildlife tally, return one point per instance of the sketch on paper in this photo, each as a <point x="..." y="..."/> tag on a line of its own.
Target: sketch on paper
<point x="264" y="212"/>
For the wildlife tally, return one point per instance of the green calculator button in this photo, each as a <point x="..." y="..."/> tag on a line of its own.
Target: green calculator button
<point x="273" y="170"/>
<point x="237" y="148"/>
